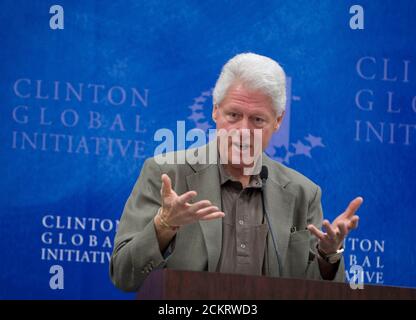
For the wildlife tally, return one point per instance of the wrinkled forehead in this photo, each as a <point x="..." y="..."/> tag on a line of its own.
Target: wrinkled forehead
<point x="242" y="93"/>
<point x="240" y="96"/>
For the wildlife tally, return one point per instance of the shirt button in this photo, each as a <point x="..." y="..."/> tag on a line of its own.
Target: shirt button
<point x="242" y="245"/>
<point x="241" y="222"/>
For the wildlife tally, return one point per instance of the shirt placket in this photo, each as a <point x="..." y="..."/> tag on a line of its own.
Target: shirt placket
<point x="243" y="247"/>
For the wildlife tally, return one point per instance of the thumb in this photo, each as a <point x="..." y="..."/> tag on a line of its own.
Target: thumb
<point x="166" y="186"/>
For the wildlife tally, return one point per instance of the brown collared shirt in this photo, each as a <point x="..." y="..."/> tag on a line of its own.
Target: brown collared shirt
<point x="244" y="235"/>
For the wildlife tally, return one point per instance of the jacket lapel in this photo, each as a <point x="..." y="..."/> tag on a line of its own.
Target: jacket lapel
<point x="279" y="203"/>
<point x="206" y="183"/>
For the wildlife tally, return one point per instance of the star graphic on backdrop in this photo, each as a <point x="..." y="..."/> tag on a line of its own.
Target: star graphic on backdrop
<point x="196" y="107"/>
<point x="301" y="148"/>
<point x="314" y="141"/>
<point x="204" y="126"/>
<point x="288" y="156"/>
<point x="200" y="99"/>
<point x="195" y="116"/>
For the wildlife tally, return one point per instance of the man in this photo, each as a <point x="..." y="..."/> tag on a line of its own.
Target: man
<point x="210" y="216"/>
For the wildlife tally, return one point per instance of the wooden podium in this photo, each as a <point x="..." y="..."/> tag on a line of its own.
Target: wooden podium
<point x="171" y="284"/>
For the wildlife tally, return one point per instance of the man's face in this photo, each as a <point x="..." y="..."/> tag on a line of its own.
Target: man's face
<point x="248" y="109"/>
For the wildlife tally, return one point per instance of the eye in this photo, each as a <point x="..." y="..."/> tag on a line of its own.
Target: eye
<point x="233" y="116"/>
<point x="259" y="121"/>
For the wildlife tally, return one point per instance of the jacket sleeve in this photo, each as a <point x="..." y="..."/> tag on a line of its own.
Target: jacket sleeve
<point x="315" y="217"/>
<point x="136" y="249"/>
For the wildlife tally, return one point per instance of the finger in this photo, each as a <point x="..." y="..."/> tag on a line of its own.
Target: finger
<point x="166" y="185"/>
<point x="353" y="224"/>
<point x="342" y="229"/>
<point x="353" y="207"/>
<point x="316" y="232"/>
<point x="205" y="211"/>
<point x="215" y="215"/>
<point x="329" y="230"/>
<point x="200" y="205"/>
<point x="187" y="196"/>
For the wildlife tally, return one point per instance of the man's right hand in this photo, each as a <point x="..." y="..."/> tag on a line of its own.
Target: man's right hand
<point x="177" y="211"/>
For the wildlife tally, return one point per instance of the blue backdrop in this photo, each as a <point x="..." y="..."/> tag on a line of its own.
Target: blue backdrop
<point x="80" y="106"/>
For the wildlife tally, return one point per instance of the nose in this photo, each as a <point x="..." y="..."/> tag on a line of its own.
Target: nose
<point x="245" y="125"/>
<point x="244" y="130"/>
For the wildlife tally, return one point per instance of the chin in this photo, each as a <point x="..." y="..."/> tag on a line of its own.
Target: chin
<point x="240" y="165"/>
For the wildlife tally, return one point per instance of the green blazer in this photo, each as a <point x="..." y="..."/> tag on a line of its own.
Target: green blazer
<point x="292" y="202"/>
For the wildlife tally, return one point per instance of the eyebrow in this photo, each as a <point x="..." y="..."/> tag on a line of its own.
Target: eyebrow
<point x="235" y="107"/>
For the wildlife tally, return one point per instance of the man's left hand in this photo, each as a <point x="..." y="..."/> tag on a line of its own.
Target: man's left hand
<point x="332" y="240"/>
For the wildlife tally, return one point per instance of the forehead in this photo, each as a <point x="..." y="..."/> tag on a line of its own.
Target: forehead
<point x="241" y="97"/>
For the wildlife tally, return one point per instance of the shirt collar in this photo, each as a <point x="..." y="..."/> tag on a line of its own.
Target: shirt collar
<point x="255" y="181"/>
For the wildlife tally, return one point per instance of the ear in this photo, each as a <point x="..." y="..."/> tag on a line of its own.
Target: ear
<point x="215" y="113"/>
<point x="278" y="121"/>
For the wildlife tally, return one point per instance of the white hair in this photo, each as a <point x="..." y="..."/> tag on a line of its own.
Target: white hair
<point x="256" y="72"/>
